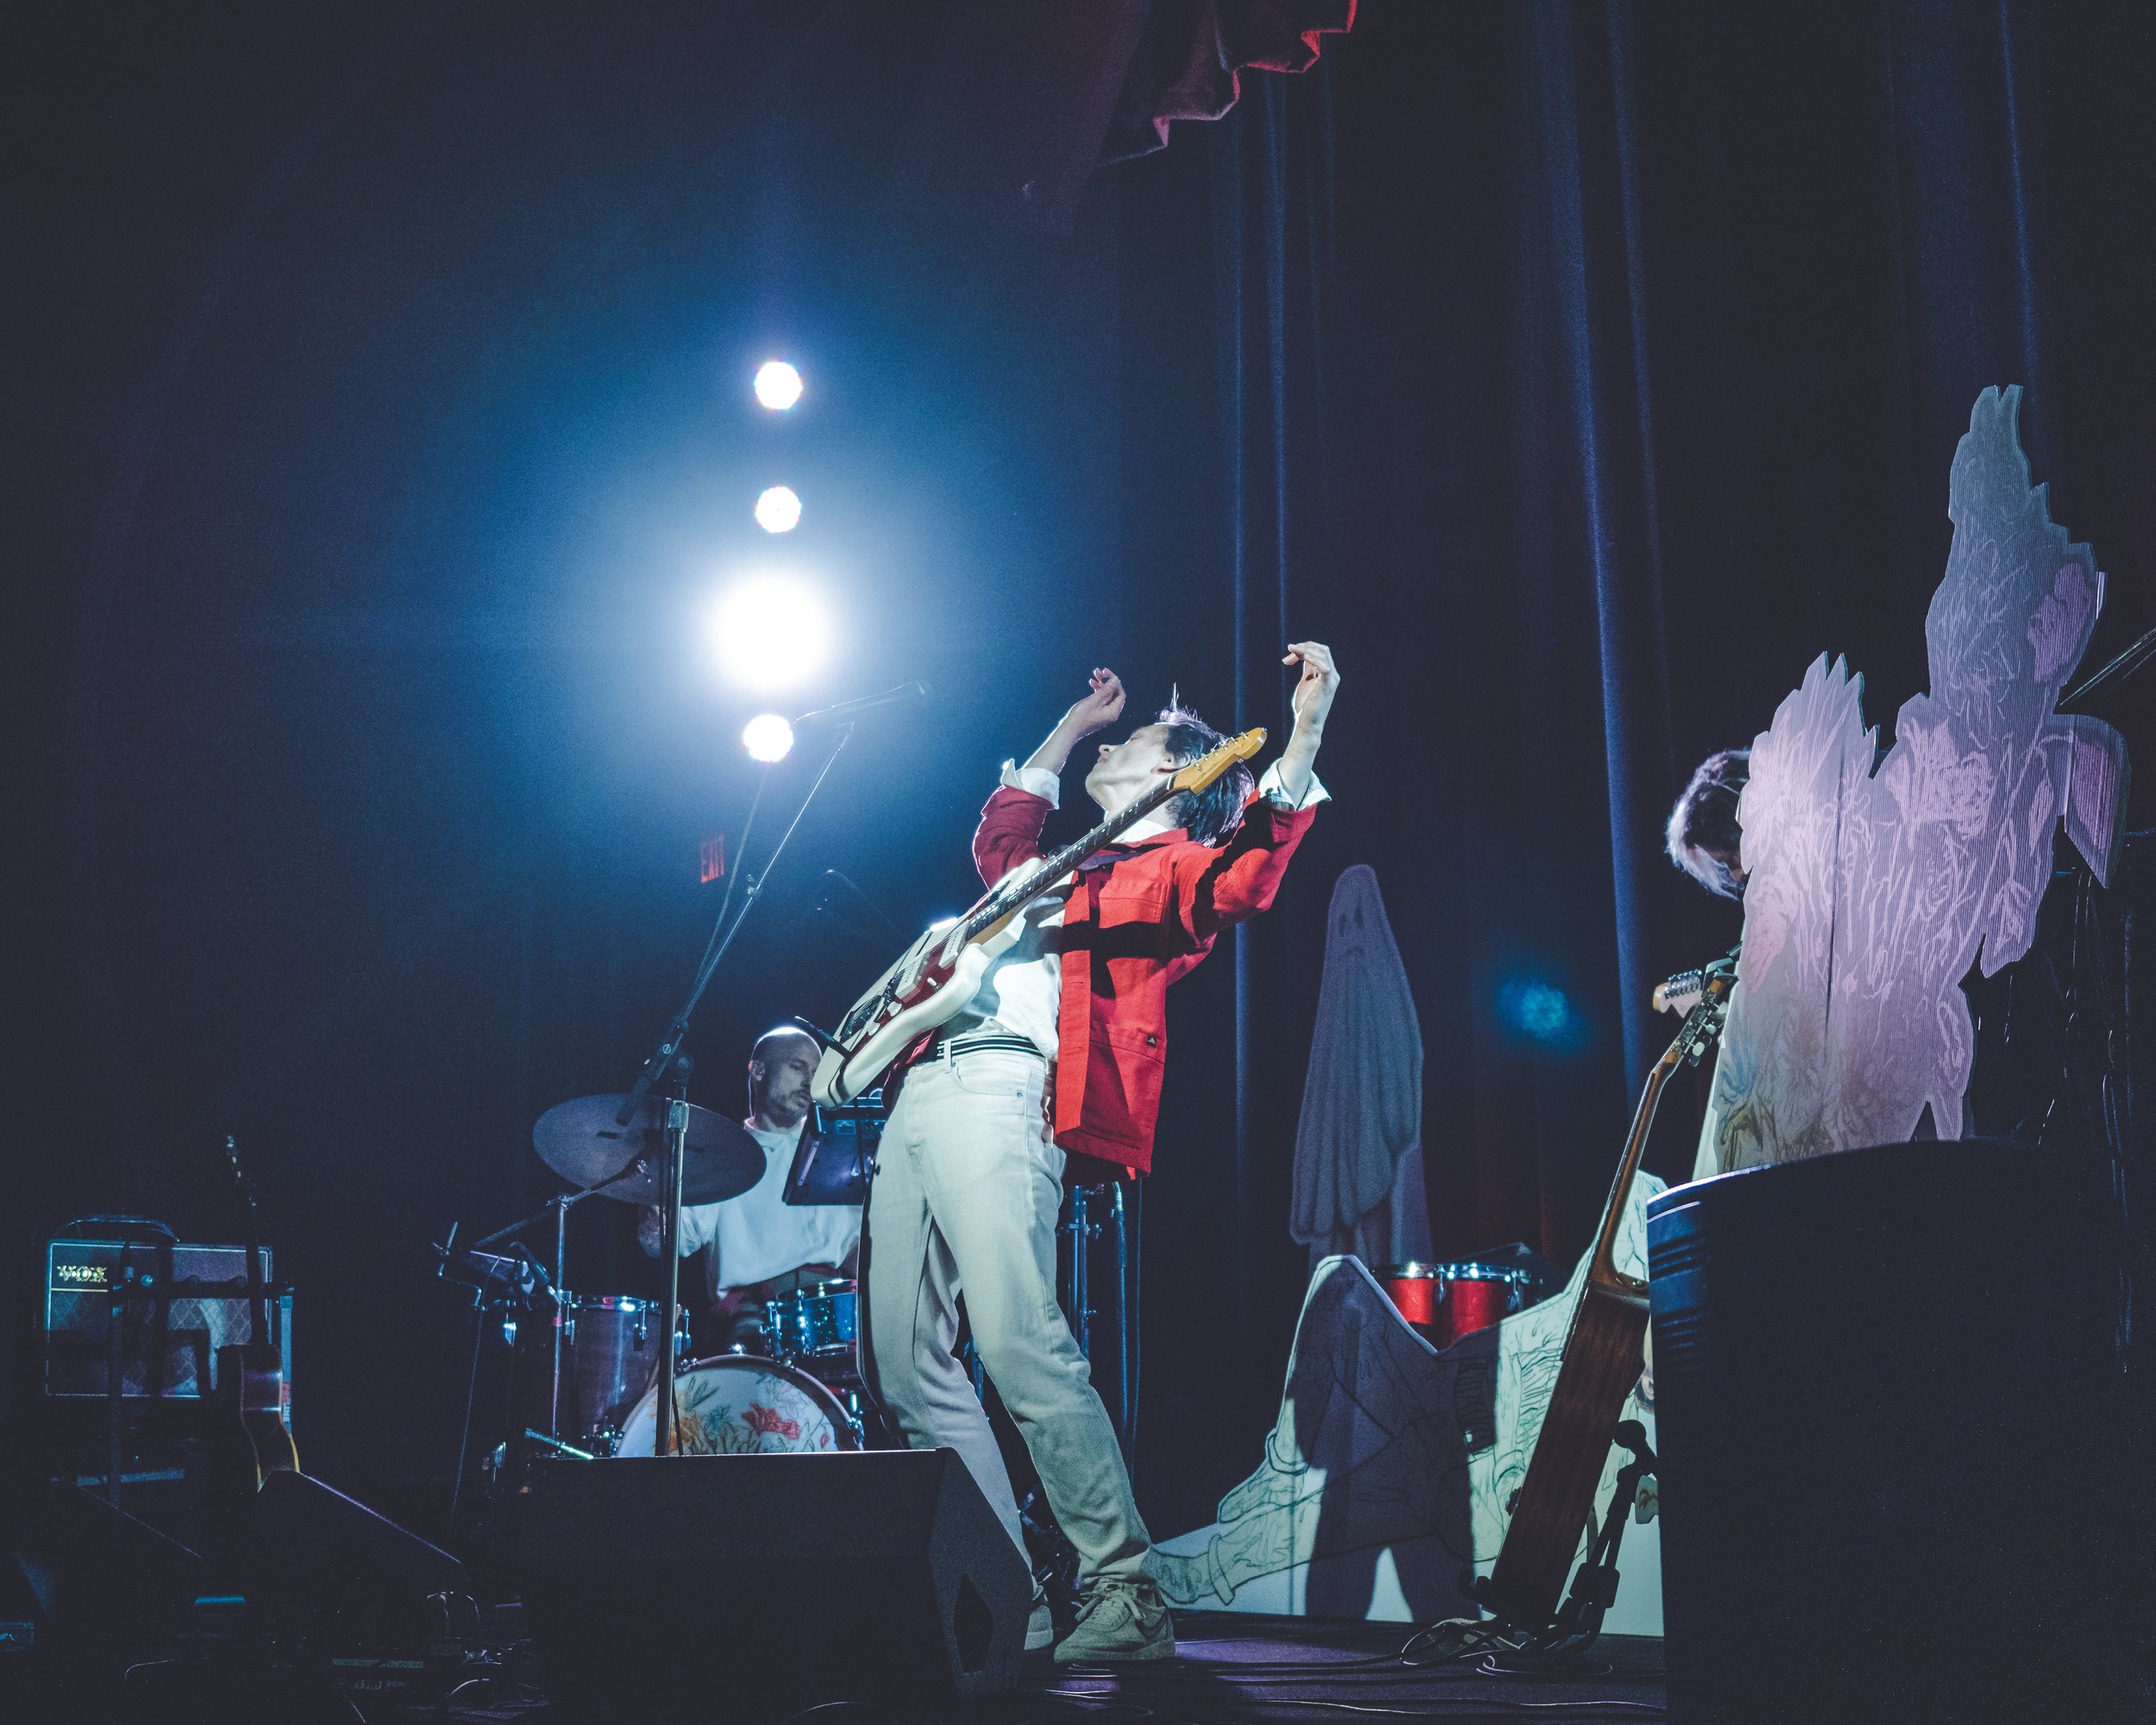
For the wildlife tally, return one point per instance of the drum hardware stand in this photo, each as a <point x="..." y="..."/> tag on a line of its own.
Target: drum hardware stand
<point x="667" y="1060"/>
<point x="561" y="1316"/>
<point x="560" y="1204"/>
<point x="670" y="1251"/>
<point x="1083" y="1230"/>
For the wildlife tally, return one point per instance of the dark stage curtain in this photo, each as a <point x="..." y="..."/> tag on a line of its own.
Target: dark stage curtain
<point x="1580" y="373"/>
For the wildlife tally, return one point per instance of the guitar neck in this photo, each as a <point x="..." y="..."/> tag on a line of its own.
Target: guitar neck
<point x="1602" y="1271"/>
<point x="257" y="1291"/>
<point x="1001" y="902"/>
<point x="1702" y="1025"/>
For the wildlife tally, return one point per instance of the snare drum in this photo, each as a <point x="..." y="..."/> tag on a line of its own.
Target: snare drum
<point x="737" y="1404"/>
<point x="814" y="1328"/>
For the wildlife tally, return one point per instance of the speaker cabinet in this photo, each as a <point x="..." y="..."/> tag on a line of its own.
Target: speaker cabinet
<point x="749" y="1585"/>
<point x="309" y="1553"/>
<point x="1896" y="1482"/>
<point x="103" y="1582"/>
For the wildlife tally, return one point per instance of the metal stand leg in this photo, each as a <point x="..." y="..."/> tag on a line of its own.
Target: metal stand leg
<point x="670" y="1248"/>
<point x="1081" y="1235"/>
<point x="1121" y="1326"/>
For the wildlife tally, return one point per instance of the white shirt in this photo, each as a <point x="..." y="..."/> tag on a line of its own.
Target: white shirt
<point x="758" y="1236"/>
<point x="1024" y="987"/>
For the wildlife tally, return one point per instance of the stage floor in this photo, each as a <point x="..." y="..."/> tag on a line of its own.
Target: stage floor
<point x="1231" y="1668"/>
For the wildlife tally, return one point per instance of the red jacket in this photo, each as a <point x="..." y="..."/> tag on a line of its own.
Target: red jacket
<point x="1142" y="915"/>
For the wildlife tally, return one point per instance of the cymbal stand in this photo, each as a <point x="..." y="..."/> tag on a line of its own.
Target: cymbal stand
<point x="668" y="1065"/>
<point x="670" y="1251"/>
<point x="560" y="1204"/>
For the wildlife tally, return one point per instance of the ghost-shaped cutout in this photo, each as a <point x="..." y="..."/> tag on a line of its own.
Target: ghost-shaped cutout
<point x="1358" y="1139"/>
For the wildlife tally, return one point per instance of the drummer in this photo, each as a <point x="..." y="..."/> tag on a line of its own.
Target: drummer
<point x="757" y="1246"/>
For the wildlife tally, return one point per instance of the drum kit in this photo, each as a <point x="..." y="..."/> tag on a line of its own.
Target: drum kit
<point x="1444" y="1301"/>
<point x="585" y="1368"/>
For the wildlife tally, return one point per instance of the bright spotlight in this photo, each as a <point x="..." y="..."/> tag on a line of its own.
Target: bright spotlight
<point x="767" y="738"/>
<point x="777" y="509"/>
<point x="770" y="633"/>
<point x="778" y="384"/>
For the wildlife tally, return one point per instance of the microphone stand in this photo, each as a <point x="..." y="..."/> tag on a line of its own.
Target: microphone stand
<point x="661" y="1067"/>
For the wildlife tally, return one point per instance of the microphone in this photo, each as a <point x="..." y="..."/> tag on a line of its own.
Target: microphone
<point x="906" y="694"/>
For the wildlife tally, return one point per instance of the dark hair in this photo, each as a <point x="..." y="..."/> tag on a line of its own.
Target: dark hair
<point x="1212" y="815"/>
<point x="1705" y="820"/>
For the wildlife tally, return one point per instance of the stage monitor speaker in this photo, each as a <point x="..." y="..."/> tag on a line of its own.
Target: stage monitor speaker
<point x="1895" y="1480"/>
<point x="100" y="1582"/>
<point x="751" y="1585"/>
<point x="309" y="1551"/>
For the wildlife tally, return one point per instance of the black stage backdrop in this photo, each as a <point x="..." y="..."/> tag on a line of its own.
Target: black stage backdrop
<point x="1578" y="371"/>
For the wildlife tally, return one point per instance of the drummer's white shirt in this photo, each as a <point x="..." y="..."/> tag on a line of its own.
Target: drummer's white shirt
<point x="759" y="1236"/>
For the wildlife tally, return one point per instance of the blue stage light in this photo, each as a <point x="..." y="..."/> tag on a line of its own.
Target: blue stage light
<point x="778" y="384"/>
<point x="770" y="633"/>
<point x="777" y="509"/>
<point x="767" y="738"/>
<point x="1539" y="1012"/>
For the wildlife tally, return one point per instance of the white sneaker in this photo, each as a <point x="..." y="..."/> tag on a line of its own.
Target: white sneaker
<point x="1040" y="1628"/>
<point x="1122" y="1620"/>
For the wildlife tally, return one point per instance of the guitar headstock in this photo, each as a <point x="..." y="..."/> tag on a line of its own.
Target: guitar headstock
<point x="240" y="1181"/>
<point x="1203" y="771"/>
<point x="1705" y="1021"/>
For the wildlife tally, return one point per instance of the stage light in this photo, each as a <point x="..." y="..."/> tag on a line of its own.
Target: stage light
<point x="1539" y="1012"/>
<point x="767" y="738"/>
<point x="778" y="384"/>
<point x="770" y="633"/>
<point x="777" y="509"/>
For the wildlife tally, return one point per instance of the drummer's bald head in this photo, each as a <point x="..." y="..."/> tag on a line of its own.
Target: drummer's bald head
<point x="779" y="1067"/>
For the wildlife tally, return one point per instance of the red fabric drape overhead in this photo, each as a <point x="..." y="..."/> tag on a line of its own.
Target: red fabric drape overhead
<point x="1016" y="106"/>
<point x="1188" y="65"/>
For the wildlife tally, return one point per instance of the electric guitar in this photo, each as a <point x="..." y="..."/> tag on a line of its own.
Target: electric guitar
<point x="937" y="975"/>
<point x="251" y="1439"/>
<point x="1603" y="1357"/>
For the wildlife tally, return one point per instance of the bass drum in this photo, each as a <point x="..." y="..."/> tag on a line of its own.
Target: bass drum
<point x="737" y="1404"/>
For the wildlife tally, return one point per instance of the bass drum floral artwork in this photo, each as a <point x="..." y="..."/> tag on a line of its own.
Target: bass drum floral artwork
<point x="1875" y="889"/>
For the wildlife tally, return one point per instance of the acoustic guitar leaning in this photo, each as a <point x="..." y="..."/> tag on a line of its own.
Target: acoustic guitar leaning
<point x="1602" y="1359"/>
<point x="249" y="1440"/>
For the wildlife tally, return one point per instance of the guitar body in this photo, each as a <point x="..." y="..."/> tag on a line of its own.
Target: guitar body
<point x="1604" y="1355"/>
<point x="914" y="996"/>
<point x="252" y="1441"/>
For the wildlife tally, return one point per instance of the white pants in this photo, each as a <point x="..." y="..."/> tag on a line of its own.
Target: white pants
<point x="965" y="1198"/>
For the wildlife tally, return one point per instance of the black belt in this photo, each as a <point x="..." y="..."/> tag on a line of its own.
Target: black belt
<point x="986" y="1041"/>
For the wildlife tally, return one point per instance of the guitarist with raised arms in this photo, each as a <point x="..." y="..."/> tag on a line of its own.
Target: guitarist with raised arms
<point x="1059" y="1050"/>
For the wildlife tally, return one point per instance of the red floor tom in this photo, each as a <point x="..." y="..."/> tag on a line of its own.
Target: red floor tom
<point x="1415" y="1290"/>
<point x="1474" y="1296"/>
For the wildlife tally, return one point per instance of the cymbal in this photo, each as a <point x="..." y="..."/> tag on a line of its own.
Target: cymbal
<point x="579" y="1141"/>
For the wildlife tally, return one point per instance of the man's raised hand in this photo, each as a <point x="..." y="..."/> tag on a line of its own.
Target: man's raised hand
<point x="1100" y="707"/>
<point x="1321" y="681"/>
